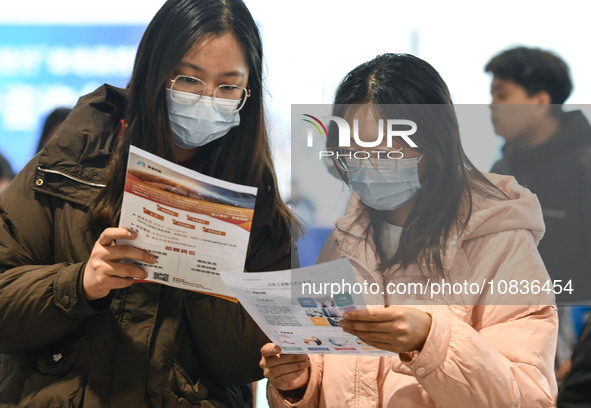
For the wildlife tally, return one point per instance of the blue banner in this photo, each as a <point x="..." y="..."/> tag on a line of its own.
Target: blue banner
<point x="43" y="67"/>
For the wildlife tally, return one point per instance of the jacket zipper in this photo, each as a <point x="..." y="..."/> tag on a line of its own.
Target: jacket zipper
<point x="69" y="176"/>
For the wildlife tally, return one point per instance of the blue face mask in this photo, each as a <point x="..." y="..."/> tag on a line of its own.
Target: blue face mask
<point x="387" y="191"/>
<point x="200" y="123"/>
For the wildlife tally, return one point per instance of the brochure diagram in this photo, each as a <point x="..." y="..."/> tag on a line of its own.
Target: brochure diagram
<point x="196" y="225"/>
<point x="298" y="310"/>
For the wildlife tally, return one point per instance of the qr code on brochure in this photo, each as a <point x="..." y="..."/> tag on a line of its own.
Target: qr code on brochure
<point x="161" y="276"/>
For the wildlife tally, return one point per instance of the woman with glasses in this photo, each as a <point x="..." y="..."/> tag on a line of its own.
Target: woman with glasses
<point x="426" y="216"/>
<point x="76" y="328"/>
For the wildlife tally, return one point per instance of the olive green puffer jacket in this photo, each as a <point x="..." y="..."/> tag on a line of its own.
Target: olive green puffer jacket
<point x="146" y="346"/>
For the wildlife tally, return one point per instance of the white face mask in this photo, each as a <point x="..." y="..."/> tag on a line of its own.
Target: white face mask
<point x="200" y="123"/>
<point x="387" y="191"/>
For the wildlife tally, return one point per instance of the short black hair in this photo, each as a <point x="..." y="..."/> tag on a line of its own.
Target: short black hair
<point x="535" y="70"/>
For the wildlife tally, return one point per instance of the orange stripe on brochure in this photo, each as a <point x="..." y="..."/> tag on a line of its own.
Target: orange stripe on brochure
<point x="183" y="224"/>
<point x="153" y="214"/>
<point x="167" y="211"/>
<point x="241" y="217"/>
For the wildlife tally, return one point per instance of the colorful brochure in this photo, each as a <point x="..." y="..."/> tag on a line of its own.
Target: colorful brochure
<point x="299" y="309"/>
<point x="196" y="225"/>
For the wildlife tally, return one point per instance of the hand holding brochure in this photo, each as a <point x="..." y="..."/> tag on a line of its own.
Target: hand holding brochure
<point x="196" y="225"/>
<point x="298" y="310"/>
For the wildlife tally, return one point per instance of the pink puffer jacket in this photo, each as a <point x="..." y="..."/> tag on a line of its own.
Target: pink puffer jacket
<point x="478" y="355"/>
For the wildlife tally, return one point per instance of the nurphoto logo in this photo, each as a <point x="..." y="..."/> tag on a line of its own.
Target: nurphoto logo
<point x="394" y="128"/>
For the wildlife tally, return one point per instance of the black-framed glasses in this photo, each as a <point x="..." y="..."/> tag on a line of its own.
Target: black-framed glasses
<point x="383" y="160"/>
<point x="188" y="90"/>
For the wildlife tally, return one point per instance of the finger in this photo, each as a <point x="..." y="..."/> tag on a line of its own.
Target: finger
<point x="364" y="326"/>
<point x="129" y="252"/>
<point x="378" y="338"/>
<point x="364" y="335"/>
<point x="380" y="345"/>
<point x="373" y="315"/>
<point x="127" y="271"/>
<point x="109" y="235"/>
<point x="283" y="359"/>
<point x="285" y="369"/>
<point x="286" y="382"/>
<point x="270" y="349"/>
<point x="116" y="282"/>
<point x="375" y="338"/>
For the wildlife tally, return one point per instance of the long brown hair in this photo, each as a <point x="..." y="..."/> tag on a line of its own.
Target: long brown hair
<point x="242" y="156"/>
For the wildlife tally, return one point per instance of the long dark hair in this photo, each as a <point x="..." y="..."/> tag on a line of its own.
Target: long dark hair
<point x="402" y="86"/>
<point x="242" y="156"/>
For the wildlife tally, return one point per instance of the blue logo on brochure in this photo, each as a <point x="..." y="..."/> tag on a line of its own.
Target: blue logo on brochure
<point x="318" y="348"/>
<point x="307" y="302"/>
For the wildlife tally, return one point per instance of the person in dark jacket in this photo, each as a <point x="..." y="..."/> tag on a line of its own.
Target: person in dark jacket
<point x="575" y="391"/>
<point x="75" y="330"/>
<point x="548" y="150"/>
<point x="6" y="173"/>
<point x="55" y="118"/>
